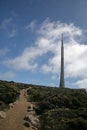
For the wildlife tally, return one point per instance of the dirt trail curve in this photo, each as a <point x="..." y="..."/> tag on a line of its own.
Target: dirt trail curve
<point x="15" y="116"/>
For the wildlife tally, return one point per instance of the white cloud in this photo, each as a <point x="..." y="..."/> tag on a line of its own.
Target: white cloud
<point x="31" y="25"/>
<point x="82" y="83"/>
<point x="75" y="60"/>
<point x="48" y="41"/>
<point x="7" y="75"/>
<point x="8" y="26"/>
<point x="24" y="61"/>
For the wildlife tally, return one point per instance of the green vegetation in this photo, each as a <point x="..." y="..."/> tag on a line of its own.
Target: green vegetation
<point x="9" y="92"/>
<point x="60" y="109"/>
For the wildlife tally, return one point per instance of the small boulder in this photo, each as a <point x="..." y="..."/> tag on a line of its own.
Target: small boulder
<point x="26" y="124"/>
<point x="11" y="105"/>
<point x="2" y="115"/>
<point x="34" y="120"/>
<point x="26" y="118"/>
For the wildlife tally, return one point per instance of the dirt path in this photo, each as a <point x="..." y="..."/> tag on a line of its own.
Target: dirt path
<point x="15" y="116"/>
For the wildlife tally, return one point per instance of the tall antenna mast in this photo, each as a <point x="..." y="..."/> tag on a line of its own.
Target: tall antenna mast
<point x="62" y="84"/>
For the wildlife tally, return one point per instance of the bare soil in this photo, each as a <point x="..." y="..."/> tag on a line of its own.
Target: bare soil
<point x="15" y="115"/>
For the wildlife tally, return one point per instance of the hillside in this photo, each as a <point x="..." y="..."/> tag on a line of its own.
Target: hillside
<point x="60" y="109"/>
<point x="57" y="109"/>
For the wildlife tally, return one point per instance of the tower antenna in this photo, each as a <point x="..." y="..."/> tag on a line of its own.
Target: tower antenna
<point x="62" y="84"/>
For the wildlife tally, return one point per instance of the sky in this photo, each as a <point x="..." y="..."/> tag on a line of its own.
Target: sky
<point x="30" y="41"/>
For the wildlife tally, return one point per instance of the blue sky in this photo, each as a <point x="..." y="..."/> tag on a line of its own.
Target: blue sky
<point x="30" y="38"/>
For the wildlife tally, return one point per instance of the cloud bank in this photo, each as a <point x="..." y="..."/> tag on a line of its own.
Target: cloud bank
<point x="48" y="42"/>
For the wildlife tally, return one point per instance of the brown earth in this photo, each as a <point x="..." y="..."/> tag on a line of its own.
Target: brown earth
<point x="15" y="115"/>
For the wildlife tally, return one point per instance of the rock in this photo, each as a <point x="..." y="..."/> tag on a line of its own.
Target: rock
<point x="30" y="108"/>
<point x="26" y="118"/>
<point x="11" y="105"/>
<point x="14" y="103"/>
<point x="34" y="128"/>
<point x="2" y="115"/>
<point x="34" y="120"/>
<point x="26" y="124"/>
